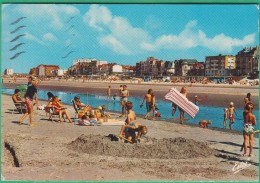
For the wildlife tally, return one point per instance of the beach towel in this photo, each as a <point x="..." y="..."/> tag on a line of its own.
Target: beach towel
<point x="182" y="102"/>
<point x="113" y="122"/>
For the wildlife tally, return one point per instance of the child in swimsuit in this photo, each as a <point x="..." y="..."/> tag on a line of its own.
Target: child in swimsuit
<point x="231" y="112"/>
<point x="132" y="126"/>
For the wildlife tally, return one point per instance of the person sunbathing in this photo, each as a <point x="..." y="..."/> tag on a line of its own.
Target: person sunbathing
<point x="204" y="123"/>
<point x="81" y="106"/>
<point x="59" y="108"/>
<point x="16" y="96"/>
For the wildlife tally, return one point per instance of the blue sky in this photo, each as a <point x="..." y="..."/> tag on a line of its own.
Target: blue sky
<point x="123" y="33"/>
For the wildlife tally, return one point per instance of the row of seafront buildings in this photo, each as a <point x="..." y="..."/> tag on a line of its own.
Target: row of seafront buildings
<point x="245" y="62"/>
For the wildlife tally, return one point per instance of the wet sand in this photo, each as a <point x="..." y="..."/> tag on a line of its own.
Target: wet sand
<point x="218" y="95"/>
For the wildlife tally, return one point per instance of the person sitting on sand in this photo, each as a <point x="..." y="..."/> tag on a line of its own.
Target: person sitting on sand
<point x="59" y="108"/>
<point x="204" y="123"/>
<point x="132" y="126"/>
<point x="248" y="129"/>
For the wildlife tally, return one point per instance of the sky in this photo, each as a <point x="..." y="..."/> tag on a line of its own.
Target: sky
<point x="56" y="34"/>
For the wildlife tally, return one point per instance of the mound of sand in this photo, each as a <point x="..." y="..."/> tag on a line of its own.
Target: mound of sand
<point x="149" y="148"/>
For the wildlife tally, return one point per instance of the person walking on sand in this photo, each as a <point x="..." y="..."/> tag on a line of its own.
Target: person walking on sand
<point x="30" y="94"/>
<point x="108" y="92"/>
<point x="231" y="112"/>
<point x="148" y="100"/>
<point x="225" y="117"/>
<point x="248" y="129"/>
<point x="184" y="93"/>
<point x="124" y="97"/>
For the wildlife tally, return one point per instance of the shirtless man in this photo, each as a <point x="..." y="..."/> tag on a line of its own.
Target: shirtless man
<point x="149" y="106"/>
<point x="231" y="112"/>
<point x="16" y="96"/>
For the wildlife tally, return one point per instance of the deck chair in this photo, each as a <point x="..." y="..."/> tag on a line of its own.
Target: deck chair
<point x="75" y="108"/>
<point x="20" y="107"/>
<point x="51" y="113"/>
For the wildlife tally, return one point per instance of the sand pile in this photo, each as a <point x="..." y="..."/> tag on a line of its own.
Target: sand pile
<point x="149" y="148"/>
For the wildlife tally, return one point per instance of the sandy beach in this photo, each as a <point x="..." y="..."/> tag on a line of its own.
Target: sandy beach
<point x="169" y="151"/>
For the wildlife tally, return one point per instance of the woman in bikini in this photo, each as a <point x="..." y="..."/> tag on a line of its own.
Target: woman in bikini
<point x="248" y="129"/>
<point x="124" y="94"/>
<point x="59" y="108"/>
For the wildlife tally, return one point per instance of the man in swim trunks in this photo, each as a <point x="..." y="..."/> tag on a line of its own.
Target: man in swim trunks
<point x="149" y="106"/>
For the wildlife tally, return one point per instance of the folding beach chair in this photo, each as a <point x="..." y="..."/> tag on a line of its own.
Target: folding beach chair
<point x="75" y="108"/>
<point x="20" y="107"/>
<point x="51" y="112"/>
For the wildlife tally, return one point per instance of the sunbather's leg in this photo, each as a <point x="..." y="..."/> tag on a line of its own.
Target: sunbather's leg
<point x="68" y="116"/>
<point x="60" y="115"/>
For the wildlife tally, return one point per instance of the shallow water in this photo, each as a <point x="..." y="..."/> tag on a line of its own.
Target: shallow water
<point x="215" y="114"/>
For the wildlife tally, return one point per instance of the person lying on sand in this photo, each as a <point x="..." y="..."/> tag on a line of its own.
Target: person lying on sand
<point x="204" y="123"/>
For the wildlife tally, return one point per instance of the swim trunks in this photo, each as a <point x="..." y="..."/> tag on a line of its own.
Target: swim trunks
<point x="248" y="129"/>
<point x="149" y="106"/>
<point x="231" y="117"/>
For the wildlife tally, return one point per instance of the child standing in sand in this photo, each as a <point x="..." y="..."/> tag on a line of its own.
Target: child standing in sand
<point x="231" y="112"/>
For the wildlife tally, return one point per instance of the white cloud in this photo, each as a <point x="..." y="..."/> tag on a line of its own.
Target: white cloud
<point x="115" y="45"/>
<point x="116" y="32"/>
<point x="120" y="36"/>
<point x="49" y="14"/>
<point x="190" y="37"/>
<point x="33" y="38"/>
<point x="97" y="16"/>
<point x="49" y="37"/>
